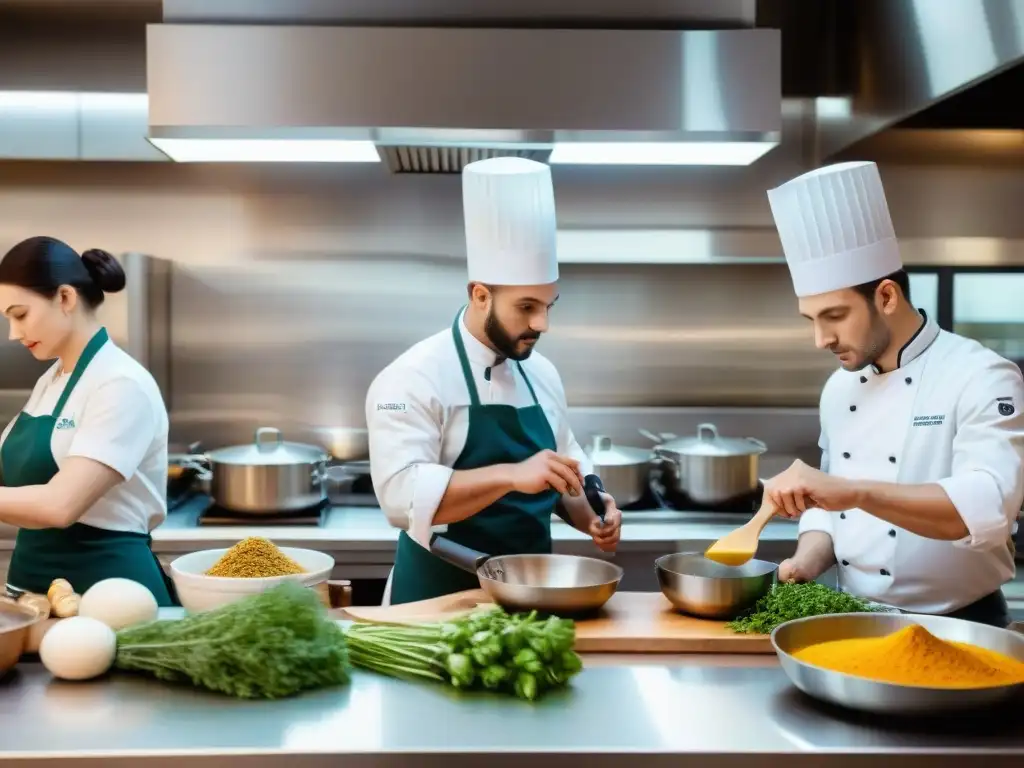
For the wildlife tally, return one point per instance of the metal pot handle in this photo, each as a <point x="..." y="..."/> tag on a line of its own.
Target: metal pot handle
<point x="601" y="443"/>
<point x="198" y="464"/>
<point x="319" y="475"/>
<point x="702" y="428"/>
<point x="469" y="560"/>
<point x="758" y="443"/>
<point x="260" y="444"/>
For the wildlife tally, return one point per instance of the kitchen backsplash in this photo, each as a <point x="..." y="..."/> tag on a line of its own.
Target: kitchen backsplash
<point x="292" y="286"/>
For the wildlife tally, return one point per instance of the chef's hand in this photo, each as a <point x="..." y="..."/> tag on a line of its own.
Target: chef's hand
<point x="801" y="487"/>
<point x="792" y="571"/>
<point x="606" y="534"/>
<point x="545" y="470"/>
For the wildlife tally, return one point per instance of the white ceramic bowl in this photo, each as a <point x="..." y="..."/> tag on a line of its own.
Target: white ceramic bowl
<point x="199" y="592"/>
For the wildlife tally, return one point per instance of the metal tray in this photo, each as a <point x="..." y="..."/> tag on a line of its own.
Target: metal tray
<point x="889" y="698"/>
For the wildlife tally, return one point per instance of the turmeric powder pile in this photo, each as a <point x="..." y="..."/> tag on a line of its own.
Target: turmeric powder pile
<point x="254" y="558"/>
<point x="914" y="656"/>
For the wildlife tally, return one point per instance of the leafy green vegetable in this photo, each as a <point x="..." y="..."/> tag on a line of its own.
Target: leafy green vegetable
<point x="270" y="645"/>
<point x="519" y="654"/>
<point x="786" y="602"/>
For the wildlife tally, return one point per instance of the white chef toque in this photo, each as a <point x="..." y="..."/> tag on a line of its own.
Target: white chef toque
<point x="835" y="228"/>
<point x="509" y="208"/>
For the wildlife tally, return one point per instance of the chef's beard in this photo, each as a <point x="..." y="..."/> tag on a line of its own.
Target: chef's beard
<point x="504" y="342"/>
<point x="878" y="342"/>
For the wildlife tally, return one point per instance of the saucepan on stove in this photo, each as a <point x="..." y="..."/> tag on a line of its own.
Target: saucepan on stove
<point x="624" y="471"/>
<point x="265" y="477"/>
<point x="708" y="468"/>
<point x="559" y="584"/>
<point x="349" y="445"/>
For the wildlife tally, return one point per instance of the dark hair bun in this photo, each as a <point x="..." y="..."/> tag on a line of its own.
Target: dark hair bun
<point x="104" y="270"/>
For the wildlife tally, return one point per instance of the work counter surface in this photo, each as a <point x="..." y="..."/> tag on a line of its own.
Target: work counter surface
<point x="701" y="711"/>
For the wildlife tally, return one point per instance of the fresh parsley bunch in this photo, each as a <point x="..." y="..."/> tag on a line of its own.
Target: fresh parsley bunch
<point x="786" y="602"/>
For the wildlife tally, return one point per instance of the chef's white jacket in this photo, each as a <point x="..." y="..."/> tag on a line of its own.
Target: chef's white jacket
<point x="951" y="413"/>
<point x="417" y="413"/>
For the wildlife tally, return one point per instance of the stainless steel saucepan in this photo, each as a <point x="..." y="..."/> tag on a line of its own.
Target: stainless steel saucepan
<point x="625" y="471"/>
<point x="559" y="584"/>
<point x="708" y="468"/>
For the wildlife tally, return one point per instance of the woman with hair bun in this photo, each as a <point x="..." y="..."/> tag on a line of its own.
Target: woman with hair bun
<point x="83" y="468"/>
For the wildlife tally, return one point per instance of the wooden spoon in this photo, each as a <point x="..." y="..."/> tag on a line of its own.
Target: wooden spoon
<point x="739" y="547"/>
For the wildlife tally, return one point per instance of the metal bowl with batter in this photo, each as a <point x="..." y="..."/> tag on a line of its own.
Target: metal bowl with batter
<point x="889" y="698"/>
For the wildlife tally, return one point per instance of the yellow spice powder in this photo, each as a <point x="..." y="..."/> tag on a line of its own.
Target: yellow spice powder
<point x="254" y="558"/>
<point x="914" y="656"/>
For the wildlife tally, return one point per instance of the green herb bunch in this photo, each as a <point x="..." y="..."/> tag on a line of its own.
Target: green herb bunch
<point x="786" y="602"/>
<point x="271" y="645"/>
<point x="517" y="654"/>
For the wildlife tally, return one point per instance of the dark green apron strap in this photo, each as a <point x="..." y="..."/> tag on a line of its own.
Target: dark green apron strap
<point x="95" y="343"/>
<point x="529" y="386"/>
<point x="467" y="372"/>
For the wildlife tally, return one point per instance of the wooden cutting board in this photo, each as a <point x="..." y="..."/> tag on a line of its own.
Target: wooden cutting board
<point x="631" y="622"/>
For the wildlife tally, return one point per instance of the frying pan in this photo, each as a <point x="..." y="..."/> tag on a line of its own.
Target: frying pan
<point x="559" y="584"/>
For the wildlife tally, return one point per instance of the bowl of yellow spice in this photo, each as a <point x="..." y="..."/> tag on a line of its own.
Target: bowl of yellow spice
<point x="214" y="577"/>
<point x="901" y="663"/>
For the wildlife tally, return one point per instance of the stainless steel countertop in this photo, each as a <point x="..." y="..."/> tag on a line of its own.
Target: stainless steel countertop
<point x="650" y="710"/>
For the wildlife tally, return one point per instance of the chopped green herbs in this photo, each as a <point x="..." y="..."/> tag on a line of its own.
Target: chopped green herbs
<point x="796" y="601"/>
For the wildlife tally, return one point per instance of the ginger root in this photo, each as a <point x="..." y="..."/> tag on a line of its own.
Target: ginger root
<point x="63" y="599"/>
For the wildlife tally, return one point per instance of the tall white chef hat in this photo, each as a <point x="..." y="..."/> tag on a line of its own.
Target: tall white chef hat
<point x="835" y="228"/>
<point x="509" y="208"/>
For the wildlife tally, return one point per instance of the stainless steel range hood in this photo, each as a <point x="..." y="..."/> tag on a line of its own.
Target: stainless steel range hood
<point x="912" y="54"/>
<point x="432" y="99"/>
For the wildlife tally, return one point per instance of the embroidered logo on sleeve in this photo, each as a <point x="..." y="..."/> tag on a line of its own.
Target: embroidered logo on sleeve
<point x="65" y="423"/>
<point x="1005" y="405"/>
<point x="934" y="420"/>
<point x="397" y="407"/>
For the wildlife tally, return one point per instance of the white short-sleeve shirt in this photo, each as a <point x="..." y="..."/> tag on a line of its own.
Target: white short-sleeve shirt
<point x="117" y="417"/>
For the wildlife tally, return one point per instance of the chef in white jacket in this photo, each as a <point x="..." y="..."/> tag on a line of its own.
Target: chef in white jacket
<point x="468" y="429"/>
<point x="922" y="431"/>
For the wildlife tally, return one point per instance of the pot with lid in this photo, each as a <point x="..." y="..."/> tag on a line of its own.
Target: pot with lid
<point x="709" y="468"/>
<point x="268" y="475"/>
<point x="625" y="472"/>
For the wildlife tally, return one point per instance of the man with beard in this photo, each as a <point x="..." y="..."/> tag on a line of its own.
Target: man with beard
<point x="922" y="433"/>
<point x="469" y="431"/>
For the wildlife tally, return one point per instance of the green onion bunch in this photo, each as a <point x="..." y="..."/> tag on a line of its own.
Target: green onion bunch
<point x="518" y="654"/>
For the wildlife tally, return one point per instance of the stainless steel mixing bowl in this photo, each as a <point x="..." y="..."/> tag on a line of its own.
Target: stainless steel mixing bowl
<point x="698" y="586"/>
<point x="889" y="698"/>
<point x="15" y="622"/>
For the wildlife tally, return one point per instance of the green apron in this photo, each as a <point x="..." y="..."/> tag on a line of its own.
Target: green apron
<point x="80" y="553"/>
<point x="518" y="523"/>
